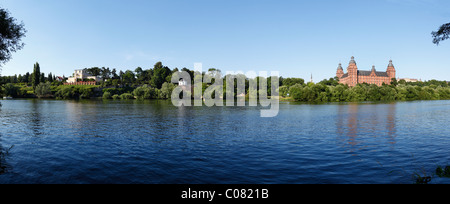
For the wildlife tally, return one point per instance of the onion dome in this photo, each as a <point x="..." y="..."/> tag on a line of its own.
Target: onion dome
<point x="390" y="64"/>
<point x="353" y="60"/>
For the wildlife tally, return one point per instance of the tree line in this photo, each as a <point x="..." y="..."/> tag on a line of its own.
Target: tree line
<point x="331" y="91"/>
<point x="155" y="83"/>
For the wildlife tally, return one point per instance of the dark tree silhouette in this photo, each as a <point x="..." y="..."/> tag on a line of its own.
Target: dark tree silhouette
<point x="442" y="34"/>
<point x="11" y="34"/>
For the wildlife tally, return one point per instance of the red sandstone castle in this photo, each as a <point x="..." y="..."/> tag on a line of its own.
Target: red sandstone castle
<point x="355" y="76"/>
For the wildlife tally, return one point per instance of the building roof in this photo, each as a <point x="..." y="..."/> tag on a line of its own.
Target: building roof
<point x="340" y="67"/>
<point x="352" y="61"/>
<point x="390" y="64"/>
<point x="367" y="73"/>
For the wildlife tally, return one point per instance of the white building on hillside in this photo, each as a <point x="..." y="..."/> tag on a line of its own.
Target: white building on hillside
<point x="81" y="74"/>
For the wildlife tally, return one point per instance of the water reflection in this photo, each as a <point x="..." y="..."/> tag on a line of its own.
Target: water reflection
<point x="358" y="125"/>
<point x="35" y="118"/>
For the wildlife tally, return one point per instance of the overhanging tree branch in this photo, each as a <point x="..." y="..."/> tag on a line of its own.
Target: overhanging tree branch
<point x="442" y="34"/>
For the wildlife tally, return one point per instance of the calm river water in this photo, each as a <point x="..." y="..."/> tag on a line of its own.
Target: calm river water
<point x="154" y="142"/>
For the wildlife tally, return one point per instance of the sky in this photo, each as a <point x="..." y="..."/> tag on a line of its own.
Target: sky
<point x="295" y="37"/>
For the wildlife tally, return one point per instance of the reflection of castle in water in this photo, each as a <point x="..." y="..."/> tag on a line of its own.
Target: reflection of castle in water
<point x="359" y="124"/>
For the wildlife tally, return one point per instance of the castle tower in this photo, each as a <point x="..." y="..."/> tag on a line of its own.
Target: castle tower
<point x="391" y="70"/>
<point x="340" y="71"/>
<point x="352" y="71"/>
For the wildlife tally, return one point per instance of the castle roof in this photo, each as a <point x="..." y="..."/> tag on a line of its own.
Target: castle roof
<point x="340" y="67"/>
<point x="368" y="73"/>
<point x="390" y="64"/>
<point x="352" y="61"/>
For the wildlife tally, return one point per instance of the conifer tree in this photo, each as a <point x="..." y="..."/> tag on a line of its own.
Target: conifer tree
<point x="35" y="79"/>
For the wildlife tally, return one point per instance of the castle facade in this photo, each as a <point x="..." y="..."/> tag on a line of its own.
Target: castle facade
<point x="355" y="76"/>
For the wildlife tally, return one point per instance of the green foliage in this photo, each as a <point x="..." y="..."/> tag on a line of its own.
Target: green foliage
<point x="43" y="90"/>
<point x="118" y="91"/>
<point x="284" y="91"/>
<point x="365" y="92"/>
<point x="160" y="75"/>
<point x="126" y="96"/>
<point x="36" y="76"/>
<point x="292" y="81"/>
<point x="65" y="92"/>
<point x="115" y="97"/>
<point x="145" y="92"/>
<point x="11" y="90"/>
<point x="11" y="34"/>
<point x="74" y="92"/>
<point x="441" y="34"/>
<point x="107" y="95"/>
<point x="166" y="90"/>
<point x="85" y="92"/>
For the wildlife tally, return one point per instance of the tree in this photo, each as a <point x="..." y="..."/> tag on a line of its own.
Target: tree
<point x="160" y="73"/>
<point x="292" y="81"/>
<point x="43" y="90"/>
<point x="166" y="90"/>
<point x="11" y="34"/>
<point x="94" y="71"/>
<point x="394" y="82"/>
<point x="11" y="90"/>
<point x="50" y="77"/>
<point x="36" y="76"/>
<point x="138" y="71"/>
<point x="128" y="77"/>
<point x="26" y="78"/>
<point x="42" y="78"/>
<point x="442" y="34"/>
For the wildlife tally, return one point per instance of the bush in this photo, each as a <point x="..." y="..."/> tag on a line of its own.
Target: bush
<point x="118" y="91"/>
<point x="107" y="95"/>
<point x="145" y="92"/>
<point x="10" y="90"/>
<point x="166" y="90"/>
<point x="85" y="92"/>
<point x="126" y="96"/>
<point x="65" y="92"/>
<point x="43" y="90"/>
<point x="115" y="97"/>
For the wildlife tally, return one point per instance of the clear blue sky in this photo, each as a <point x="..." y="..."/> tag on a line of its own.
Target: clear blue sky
<point x="294" y="37"/>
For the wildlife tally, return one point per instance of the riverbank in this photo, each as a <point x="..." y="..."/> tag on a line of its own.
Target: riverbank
<point x="321" y="92"/>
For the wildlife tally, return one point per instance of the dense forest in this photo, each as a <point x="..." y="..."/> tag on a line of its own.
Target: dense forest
<point x="155" y="83"/>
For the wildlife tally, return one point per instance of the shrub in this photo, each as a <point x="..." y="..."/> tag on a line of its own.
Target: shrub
<point x="107" y="95"/>
<point x="65" y="92"/>
<point x="43" y="90"/>
<point x="118" y="91"/>
<point x="166" y="90"/>
<point x="85" y="92"/>
<point x="126" y="96"/>
<point x="115" y="97"/>
<point x="10" y="90"/>
<point x="145" y="92"/>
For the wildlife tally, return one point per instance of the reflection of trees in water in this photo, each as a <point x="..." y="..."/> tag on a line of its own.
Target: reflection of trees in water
<point x="35" y="119"/>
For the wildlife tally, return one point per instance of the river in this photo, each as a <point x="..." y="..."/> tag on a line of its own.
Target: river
<point x="95" y="141"/>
